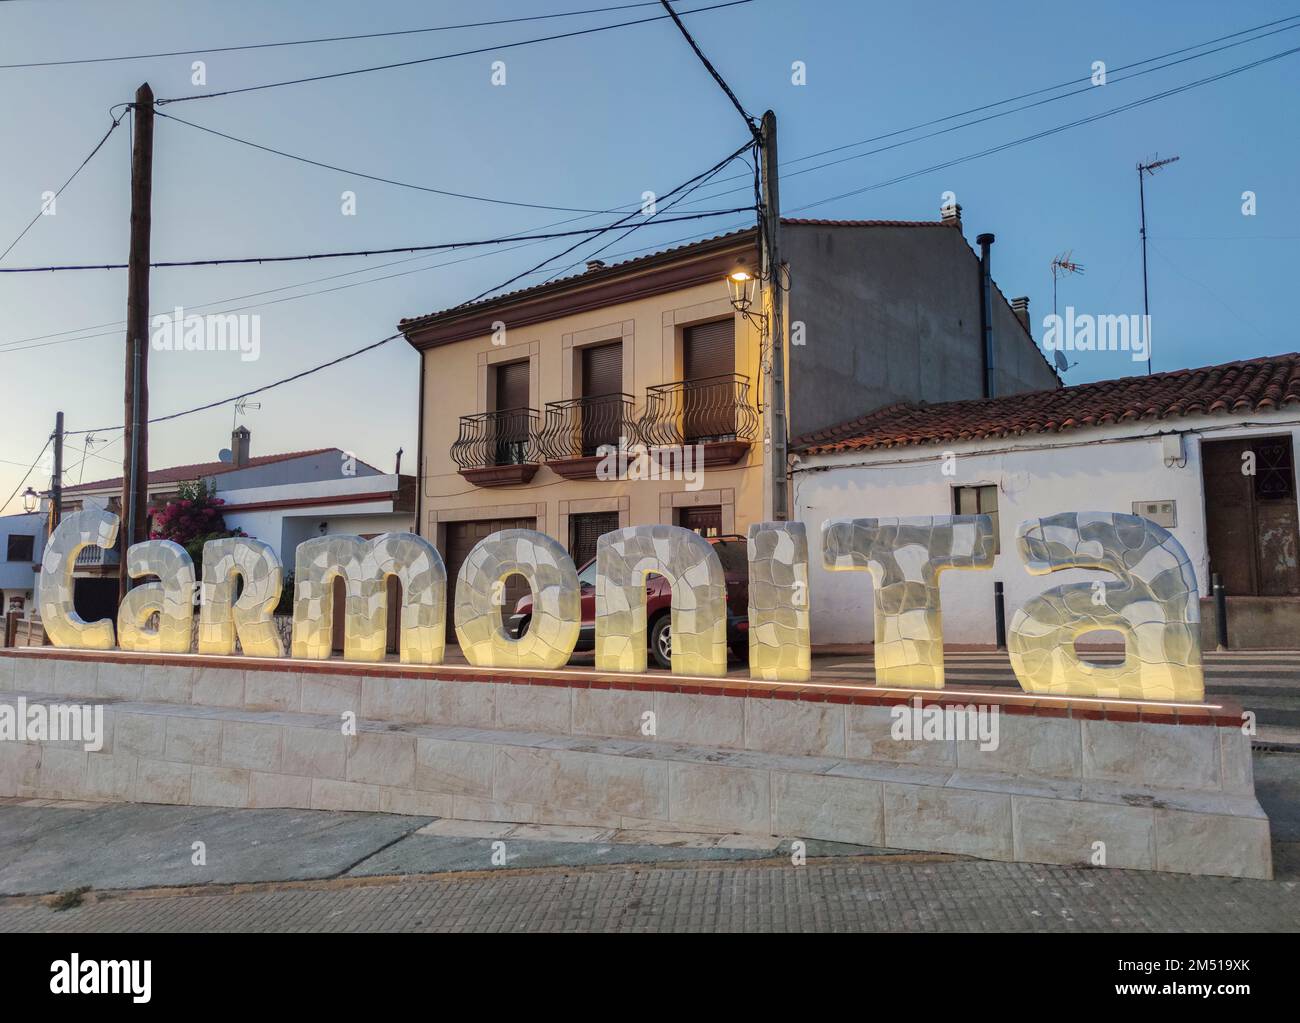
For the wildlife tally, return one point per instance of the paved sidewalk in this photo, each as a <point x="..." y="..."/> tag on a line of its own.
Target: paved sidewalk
<point x="848" y="895"/>
<point x="304" y="870"/>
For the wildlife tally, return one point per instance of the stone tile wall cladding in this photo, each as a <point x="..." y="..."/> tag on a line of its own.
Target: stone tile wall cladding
<point x="1163" y="789"/>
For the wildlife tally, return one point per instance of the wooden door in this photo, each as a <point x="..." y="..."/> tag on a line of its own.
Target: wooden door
<point x="461" y="538"/>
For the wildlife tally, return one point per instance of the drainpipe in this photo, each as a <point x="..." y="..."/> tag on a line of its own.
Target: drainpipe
<point x="985" y="241"/>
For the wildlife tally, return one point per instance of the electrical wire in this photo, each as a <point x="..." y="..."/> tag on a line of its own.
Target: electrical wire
<point x="444" y="56"/>
<point x="708" y="66"/>
<point x="617" y="224"/>
<point x="1053" y="131"/>
<point x="248" y="394"/>
<point x="373" y="177"/>
<point x="17" y="346"/>
<point x="81" y="166"/>
<point x="31" y="469"/>
<point x="441" y="247"/>
<point x="1012" y="99"/>
<point x="329" y="39"/>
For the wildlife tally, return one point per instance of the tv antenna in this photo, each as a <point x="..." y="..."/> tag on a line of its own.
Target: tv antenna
<point x="1062" y="265"/>
<point x="241" y="409"/>
<point x="1150" y="167"/>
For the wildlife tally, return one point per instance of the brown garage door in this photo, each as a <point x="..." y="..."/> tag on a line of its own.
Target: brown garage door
<point x="461" y="538"/>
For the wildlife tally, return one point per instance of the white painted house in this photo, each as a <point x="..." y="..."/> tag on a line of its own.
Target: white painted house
<point x="287" y="514"/>
<point x="22" y="542"/>
<point x="1208" y="452"/>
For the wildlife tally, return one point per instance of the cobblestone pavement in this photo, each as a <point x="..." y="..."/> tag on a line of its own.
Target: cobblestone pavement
<point x="844" y="895"/>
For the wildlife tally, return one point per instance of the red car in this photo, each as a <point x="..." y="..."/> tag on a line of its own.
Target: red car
<point x="732" y="551"/>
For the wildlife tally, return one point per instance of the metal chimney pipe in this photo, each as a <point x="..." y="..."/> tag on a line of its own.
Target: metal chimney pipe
<point x="985" y="242"/>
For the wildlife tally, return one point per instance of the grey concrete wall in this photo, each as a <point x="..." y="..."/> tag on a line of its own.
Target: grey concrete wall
<point x="892" y="314"/>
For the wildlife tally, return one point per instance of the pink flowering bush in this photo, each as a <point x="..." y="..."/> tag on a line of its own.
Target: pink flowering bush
<point x="191" y="519"/>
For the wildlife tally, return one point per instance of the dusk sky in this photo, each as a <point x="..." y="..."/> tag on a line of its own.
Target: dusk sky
<point x="588" y="123"/>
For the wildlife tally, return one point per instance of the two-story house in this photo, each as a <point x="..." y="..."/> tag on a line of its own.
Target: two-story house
<point x="522" y="393"/>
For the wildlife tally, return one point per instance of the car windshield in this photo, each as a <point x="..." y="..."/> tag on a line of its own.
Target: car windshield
<point x="733" y="555"/>
<point x="587" y="577"/>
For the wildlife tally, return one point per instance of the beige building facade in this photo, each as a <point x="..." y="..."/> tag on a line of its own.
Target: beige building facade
<point x="521" y="395"/>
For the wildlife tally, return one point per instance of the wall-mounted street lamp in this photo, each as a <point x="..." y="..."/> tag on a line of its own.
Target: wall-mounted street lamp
<point x="31" y="500"/>
<point x="742" y="286"/>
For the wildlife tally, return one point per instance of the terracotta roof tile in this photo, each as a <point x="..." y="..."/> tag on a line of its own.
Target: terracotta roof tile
<point x="1251" y="385"/>
<point x="198" y="470"/>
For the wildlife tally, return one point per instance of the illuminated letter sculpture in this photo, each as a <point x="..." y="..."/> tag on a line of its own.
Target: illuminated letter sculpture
<point x="365" y="567"/>
<point x="171" y="599"/>
<point x="699" y="607"/>
<point x="90" y="527"/>
<point x="221" y="617"/>
<point x="480" y="595"/>
<point x="779" y="645"/>
<point x="1153" y="603"/>
<point x="905" y="558"/>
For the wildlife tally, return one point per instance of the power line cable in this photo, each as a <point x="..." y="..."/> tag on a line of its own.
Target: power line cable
<point x="14" y="347"/>
<point x="1012" y="99"/>
<point x="1053" y="88"/>
<point x="444" y="56"/>
<point x="328" y="39"/>
<point x="15" y="344"/>
<point x="248" y="394"/>
<point x="374" y="177"/>
<point x="965" y="124"/>
<point x="1052" y="131"/>
<point x="392" y="337"/>
<point x="708" y="66"/>
<point x="31" y="469"/>
<point x="81" y="166"/>
<point x="1029" y="106"/>
<point x="619" y="223"/>
<point x="441" y="247"/>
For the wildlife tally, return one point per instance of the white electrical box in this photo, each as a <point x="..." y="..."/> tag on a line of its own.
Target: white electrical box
<point x="1162" y="513"/>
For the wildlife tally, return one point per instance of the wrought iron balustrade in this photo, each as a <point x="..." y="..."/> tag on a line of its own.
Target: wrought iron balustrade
<point x="579" y="427"/>
<point x="710" y="410"/>
<point x="494" y="439"/>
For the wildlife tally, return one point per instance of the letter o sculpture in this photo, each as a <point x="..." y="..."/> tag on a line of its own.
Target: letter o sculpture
<point x="557" y="607"/>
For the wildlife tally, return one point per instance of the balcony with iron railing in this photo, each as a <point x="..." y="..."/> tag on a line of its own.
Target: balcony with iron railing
<point x="98" y="557"/>
<point x="715" y="412"/>
<point x="576" y="431"/>
<point x="497" y="448"/>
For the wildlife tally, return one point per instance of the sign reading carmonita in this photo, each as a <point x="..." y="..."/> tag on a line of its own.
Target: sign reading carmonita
<point x="1151" y="599"/>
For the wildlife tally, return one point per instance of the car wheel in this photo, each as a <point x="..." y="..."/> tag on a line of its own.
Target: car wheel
<point x="661" y="641"/>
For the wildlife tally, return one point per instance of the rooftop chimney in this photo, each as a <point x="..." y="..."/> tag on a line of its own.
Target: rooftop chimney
<point x="1020" y="306"/>
<point x="239" y="439"/>
<point x="595" y="264"/>
<point x="951" y="214"/>
<point x="985" y="242"/>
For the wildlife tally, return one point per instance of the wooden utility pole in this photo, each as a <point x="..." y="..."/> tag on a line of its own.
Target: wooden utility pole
<point x="56" y="481"/>
<point x="135" y="474"/>
<point x="776" y="318"/>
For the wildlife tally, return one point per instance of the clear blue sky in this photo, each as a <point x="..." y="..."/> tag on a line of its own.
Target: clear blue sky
<point x="595" y="121"/>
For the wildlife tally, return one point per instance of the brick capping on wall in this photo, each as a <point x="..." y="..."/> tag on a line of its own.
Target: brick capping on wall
<point x="1220" y="713"/>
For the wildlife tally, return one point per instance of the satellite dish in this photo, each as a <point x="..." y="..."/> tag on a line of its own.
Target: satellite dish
<point x="1062" y="363"/>
<point x="228" y="456"/>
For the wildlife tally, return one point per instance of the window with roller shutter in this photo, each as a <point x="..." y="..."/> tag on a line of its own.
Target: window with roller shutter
<point x="511" y="425"/>
<point x="585" y="530"/>
<point x="602" y="406"/>
<point x="708" y="364"/>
